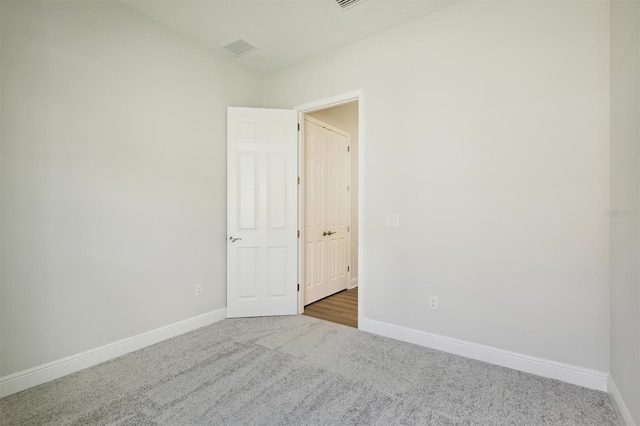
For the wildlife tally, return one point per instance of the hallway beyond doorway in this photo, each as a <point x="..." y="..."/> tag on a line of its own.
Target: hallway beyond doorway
<point x="341" y="308"/>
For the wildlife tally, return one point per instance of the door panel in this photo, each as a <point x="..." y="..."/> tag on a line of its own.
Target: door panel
<point x="277" y="190"/>
<point x="261" y="212"/>
<point x="248" y="189"/>
<point x="276" y="272"/>
<point x="246" y="267"/>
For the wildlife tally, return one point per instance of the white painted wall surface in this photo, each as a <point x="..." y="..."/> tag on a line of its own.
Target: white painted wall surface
<point x="345" y="117"/>
<point x="625" y="199"/>
<point x="488" y="133"/>
<point x="113" y="177"/>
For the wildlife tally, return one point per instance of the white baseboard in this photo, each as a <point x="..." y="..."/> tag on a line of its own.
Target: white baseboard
<point x="53" y="370"/>
<point x="591" y="379"/>
<point x="621" y="408"/>
<point x="353" y="283"/>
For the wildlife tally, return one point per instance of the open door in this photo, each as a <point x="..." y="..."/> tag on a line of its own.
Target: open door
<point x="261" y="212"/>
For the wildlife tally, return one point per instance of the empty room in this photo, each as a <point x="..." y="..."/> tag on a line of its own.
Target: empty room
<point x="306" y="212"/>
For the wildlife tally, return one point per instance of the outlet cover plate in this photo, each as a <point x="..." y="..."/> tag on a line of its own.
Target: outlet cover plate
<point x="433" y="302"/>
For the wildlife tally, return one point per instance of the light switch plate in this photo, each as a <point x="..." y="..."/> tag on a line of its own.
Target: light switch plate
<point x="393" y="221"/>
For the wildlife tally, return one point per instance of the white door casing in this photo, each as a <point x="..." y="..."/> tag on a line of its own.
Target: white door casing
<point x="326" y="210"/>
<point x="303" y="110"/>
<point x="261" y="212"/>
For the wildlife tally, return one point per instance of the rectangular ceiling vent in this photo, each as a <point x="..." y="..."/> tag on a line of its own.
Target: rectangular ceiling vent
<point x="239" y="48"/>
<point x="348" y="4"/>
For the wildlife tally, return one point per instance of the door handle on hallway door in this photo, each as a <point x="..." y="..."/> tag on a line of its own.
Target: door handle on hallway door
<point x="234" y="239"/>
<point x="328" y="233"/>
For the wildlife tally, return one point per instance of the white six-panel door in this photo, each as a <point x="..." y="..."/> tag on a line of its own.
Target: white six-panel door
<point x="326" y="210"/>
<point x="261" y="212"/>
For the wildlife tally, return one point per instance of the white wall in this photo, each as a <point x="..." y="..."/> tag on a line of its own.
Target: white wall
<point x="345" y="117"/>
<point x="487" y="130"/>
<point x="625" y="199"/>
<point x="113" y="177"/>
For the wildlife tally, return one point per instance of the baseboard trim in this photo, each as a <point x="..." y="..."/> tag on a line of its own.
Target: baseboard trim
<point x="353" y="283"/>
<point x="618" y="403"/>
<point x="588" y="378"/>
<point x="26" y="379"/>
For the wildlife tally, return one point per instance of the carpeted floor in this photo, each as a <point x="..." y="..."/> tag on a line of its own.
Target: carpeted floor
<point x="300" y="370"/>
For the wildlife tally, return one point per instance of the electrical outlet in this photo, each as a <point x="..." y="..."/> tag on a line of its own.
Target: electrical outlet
<point x="199" y="289"/>
<point x="433" y="302"/>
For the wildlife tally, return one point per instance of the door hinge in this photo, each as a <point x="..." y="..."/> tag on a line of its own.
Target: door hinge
<point x="348" y="228"/>
<point x="348" y="148"/>
<point x="298" y="233"/>
<point x="348" y="268"/>
<point x="298" y="180"/>
<point x="298" y="286"/>
<point x="298" y="126"/>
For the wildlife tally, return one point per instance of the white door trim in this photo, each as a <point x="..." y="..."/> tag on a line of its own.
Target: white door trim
<point x="357" y="95"/>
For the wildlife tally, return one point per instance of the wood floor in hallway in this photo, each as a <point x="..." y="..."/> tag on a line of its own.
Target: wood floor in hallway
<point x="341" y="307"/>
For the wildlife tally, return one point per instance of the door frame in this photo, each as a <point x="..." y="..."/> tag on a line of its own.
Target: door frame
<point x="303" y="109"/>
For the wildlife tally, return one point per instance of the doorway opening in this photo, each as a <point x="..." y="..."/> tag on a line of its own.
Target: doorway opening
<point x="329" y="209"/>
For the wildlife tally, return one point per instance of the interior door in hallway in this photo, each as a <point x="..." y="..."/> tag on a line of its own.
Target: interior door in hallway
<point x="327" y="209"/>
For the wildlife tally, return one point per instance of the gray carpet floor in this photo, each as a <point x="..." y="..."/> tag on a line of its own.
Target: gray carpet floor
<point x="301" y="371"/>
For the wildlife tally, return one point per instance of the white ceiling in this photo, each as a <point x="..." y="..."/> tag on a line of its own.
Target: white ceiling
<point x="284" y="31"/>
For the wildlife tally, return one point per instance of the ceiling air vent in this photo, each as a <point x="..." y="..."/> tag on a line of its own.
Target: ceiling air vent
<point x="347" y="4"/>
<point x="239" y="48"/>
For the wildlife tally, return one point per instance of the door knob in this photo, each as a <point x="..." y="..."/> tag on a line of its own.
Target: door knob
<point x="234" y="239"/>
